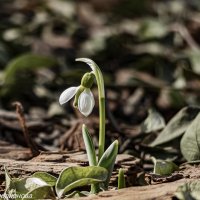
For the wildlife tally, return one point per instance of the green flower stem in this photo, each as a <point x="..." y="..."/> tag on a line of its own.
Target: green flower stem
<point x="101" y="127"/>
<point x="100" y="83"/>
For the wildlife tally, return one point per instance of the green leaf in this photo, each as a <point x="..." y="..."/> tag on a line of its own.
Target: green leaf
<point x="20" y="186"/>
<point x="42" y="192"/>
<point x="108" y="160"/>
<point x="34" y="188"/>
<point x="26" y="62"/>
<point x="26" y="186"/>
<point x="33" y="183"/>
<point x="163" y="167"/>
<point x="73" y="177"/>
<point x="153" y="122"/>
<point x="29" y="188"/>
<point x="151" y="28"/>
<point x="190" y="142"/>
<point x="177" y="125"/>
<point x="90" y="154"/>
<point x="89" y="146"/>
<point x="15" y="75"/>
<point x="194" y="57"/>
<point x="48" y="178"/>
<point x="189" y="191"/>
<point x="15" y="185"/>
<point x="121" y="179"/>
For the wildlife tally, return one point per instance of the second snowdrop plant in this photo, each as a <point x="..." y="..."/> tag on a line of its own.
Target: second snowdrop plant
<point x="84" y="101"/>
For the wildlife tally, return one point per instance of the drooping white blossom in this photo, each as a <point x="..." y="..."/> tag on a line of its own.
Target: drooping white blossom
<point x="67" y="94"/>
<point x="86" y="102"/>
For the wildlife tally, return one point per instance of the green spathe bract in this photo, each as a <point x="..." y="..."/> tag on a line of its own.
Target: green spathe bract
<point x="73" y="177"/>
<point x="87" y="80"/>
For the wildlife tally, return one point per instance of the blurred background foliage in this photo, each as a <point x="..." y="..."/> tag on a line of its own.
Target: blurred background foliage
<point x="148" y="50"/>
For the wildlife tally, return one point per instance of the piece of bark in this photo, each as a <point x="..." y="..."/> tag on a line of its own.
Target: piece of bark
<point x="14" y="152"/>
<point x="164" y="191"/>
<point x="55" y="162"/>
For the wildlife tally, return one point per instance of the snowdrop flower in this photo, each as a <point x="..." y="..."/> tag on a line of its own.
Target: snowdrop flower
<point x="86" y="102"/>
<point x="84" y="98"/>
<point x="67" y="94"/>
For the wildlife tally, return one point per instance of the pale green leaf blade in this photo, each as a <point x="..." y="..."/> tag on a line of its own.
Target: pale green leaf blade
<point x="108" y="160"/>
<point x="43" y="192"/>
<point x="31" y="188"/>
<point x="189" y="190"/>
<point x="73" y="177"/>
<point x="48" y="178"/>
<point x="190" y="142"/>
<point x="177" y="125"/>
<point x="26" y="62"/>
<point x="153" y="122"/>
<point x="89" y="146"/>
<point x="17" y="188"/>
<point x="121" y="179"/>
<point x="32" y="183"/>
<point x="163" y="167"/>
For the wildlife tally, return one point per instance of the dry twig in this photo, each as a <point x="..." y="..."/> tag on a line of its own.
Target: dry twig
<point x="22" y="122"/>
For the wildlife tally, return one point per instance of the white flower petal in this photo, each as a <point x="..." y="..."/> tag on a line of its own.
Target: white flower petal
<point x="86" y="102"/>
<point x="67" y="94"/>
